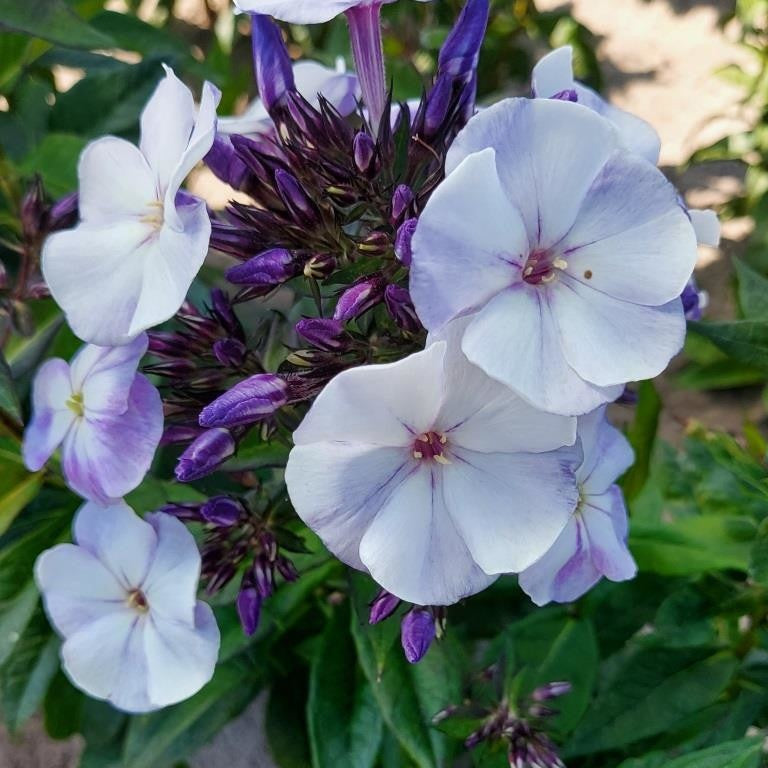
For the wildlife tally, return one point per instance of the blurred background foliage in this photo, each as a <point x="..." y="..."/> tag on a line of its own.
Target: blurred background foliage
<point x="668" y="670"/>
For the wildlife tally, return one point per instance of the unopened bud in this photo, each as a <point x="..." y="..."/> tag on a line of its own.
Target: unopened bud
<point x="267" y="270"/>
<point x="376" y="244"/>
<point x="63" y="213"/>
<point x="206" y="454"/>
<point x="230" y="352"/>
<point x="417" y="631"/>
<point x="551" y="691"/>
<point x="320" y="266"/>
<point x="325" y="334"/>
<point x="402" y="201"/>
<point x="249" y="609"/>
<point x="179" y="434"/>
<point x="438" y="104"/>
<point x="294" y="196"/>
<point x="383" y="606"/>
<point x="247" y="402"/>
<point x="403" y="240"/>
<point x="365" y="152"/>
<point x="222" y="511"/>
<point x="359" y="298"/>
<point x="33" y="211"/>
<point x="400" y="307"/>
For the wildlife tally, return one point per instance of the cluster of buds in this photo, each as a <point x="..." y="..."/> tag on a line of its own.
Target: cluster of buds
<point x="238" y="539"/>
<point x="419" y="627"/>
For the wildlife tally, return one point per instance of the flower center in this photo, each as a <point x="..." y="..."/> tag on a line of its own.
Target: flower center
<point x="76" y="404"/>
<point x="154" y="215"/>
<point x="542" y="267"/>
<point x="138" y="601"/>
<point x="430" y="447"/>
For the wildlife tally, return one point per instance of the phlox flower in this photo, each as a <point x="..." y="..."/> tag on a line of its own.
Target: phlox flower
<point x="570" y="253"/>
<point x="141" y="241"/>
<point x="124" y="600"/>
<point x="107" y="418"/>
<point x="431" y="476"/>
<point x="593" y="543"/>
<point x="307" y="11"/>
<point x="339" y="87"/>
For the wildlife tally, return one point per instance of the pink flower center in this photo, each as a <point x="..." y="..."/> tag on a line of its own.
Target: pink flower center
<point x="430" y="447"/>
<point x="542" y="267"/>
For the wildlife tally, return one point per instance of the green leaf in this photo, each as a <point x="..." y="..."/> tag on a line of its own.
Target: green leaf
<point x="642" y="436"/>
<point x="650" y="691"/>
<point x="758" y="561"/>
<point x="55" y="159"/>
<point x="51" y="20"/>
<point x="13" y="500"/>
<point x="742" y="340"/>
<point x="287" y="721"/>
<point x="345" y="724"/>
<point x="753" y="291"/>
<point x="15" y="615"/>
<point x="742" y="753"/>
<point x="9" y="401"/>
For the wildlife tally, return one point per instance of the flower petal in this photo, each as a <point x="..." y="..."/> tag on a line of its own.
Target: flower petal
<point x="115" y="182"/>
<point x="607" y="453"/>
<point x="77" y="588"/>
<point x="299" y="11"/>
<point x="51" y="418"/>
<point x="510" y="508"/>
<point x="632" y="240"/>
<point x="337" y="86"/>
<point x="378" y="404"/>
<point x="608" y="341"/>
<point x="553" y="73"/>
<point x="707" y="227"/>
<point x="460" y="262"/>
<point x="515" y="340"/>
<point x="180" y="657"/>
<point x="119" y="538"/>
<point x="414" y="550"/>
<point x="338" y="488"/>
<point x="605" y="519"/>
<point x="548" y="152"/>
<point x="107" y="456"/>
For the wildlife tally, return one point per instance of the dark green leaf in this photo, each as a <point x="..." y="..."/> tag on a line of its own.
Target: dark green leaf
<point x="9" y="402"/>
<point x="642" y="436"/>
<point x="15" y="615"/>
<point x="287" y="721"/>
<point x="753" y="291"/>
<point x="15" y="498"/>
<point x="63" y="708"/>
<point x="55" y="159"/>
<point x="743" y="753"/>
<point x="743" y="340"/>
<point x="758" y="562"/>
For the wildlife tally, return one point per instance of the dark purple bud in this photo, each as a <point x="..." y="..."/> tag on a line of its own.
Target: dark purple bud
<point x="287" y="569"/>
<point x="359" y="298"/>
<point x="365" y="152"/>
<point x="403" y="240"/>
<point x="225" y="163"/>
<point x="179" y="434"/>
<point x="3" y="277"/>
<point x="222" y="308"/>
<point x="263" y="576"/>
<point x="272" y="62"/>
<point x="189" y="512"/>
<point x="628" y="397"/>
<point x="401" y="308"/>
<point x="461" y="49"/>
<point x="567" y="95"/>
<point x="402" y="201"/>
<point x="438" y="103"/>
<point x="222" y="511"/>
<point x="694" y="300"/>
<point x="383" y="606"/>
<point x="323" y="333"/>
<point x="33" y="210"/>
<point x="541" y="711"/>
<point x="474" y="739"/>
<point x="294" y="196"/>
<point x="230" y="352"/>
<point x="206" y="454"/>
<point x="551" y="691"/>
<point x="267" y="270"/>
<point x="229" y="239"/>
<point x="417" y="631"/>
<point x="247" y="402"/>
<point x="376" y="244"/>
<point x="249" y="609"/>
<point x="320" y="266"/>
<point x="64" y="213"/>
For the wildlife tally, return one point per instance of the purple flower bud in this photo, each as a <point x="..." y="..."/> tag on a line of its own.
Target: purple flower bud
<point x="320" y="266"/>
<point x="231" y="239"/>
<point x="551" y="691"/>
<point x="364" y="151"/>
<point x="272" y="62"/>
<point x="294" y="196"/>
<point x="225" y="163"/>
<point x="33" y="210"/>
<point x="263" y="576"/>
<point x="694" y="300"/>
<point x="248" y="401"/>
<point x="222" y="511"/>
<point x="208" y="452"/>
<point x="3" y="276"/>
<point x="359" y="298"/>
<point x="376" y="244"/>
<point x="403" y="240"/>
<point x="438" y="103"/>
<point x="401" y="308"/>
<point x="402" y="200"/>
<point x="222" y="308"/>
<point x="417" y="631"/>
<point x="383" y="606"/>
<point x="190" y="512"/>
<point x="567" y="95"/>
<point x="323" y="333"/>
<point x="268" y="269"/>
<point x="287" y="569"/>
<point x="63" y="213"/>
<point x="179" y="434"/>
<point x="249" y="609"/>
<point x="230" y="352"/>
<point x="461" y="49"/>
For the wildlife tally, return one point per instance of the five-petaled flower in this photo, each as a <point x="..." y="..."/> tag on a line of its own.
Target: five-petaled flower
<point x="593" y="543"/>
<point x="141" y="240"/>
<point x="570" y="252"/>
<point x="431" y="476"/>
<point x="124" y="600"/>
<point x="107" y="418"/>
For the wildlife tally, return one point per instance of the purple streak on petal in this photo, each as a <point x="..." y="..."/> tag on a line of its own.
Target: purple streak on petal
<point x="272" y="63"/>
<point x="247" y="402"/>
<point x="365" y="36"/>
<point x="205" y="455"/>
<point x="417" y="631"/>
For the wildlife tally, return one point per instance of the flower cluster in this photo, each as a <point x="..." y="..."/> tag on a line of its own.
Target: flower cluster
<point x="431" y="305"/>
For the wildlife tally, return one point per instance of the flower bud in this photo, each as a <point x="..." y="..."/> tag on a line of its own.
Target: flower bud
<point x="376" y="244"/>
<point x="272" y="63"/>
<point x="263" y="577"/>
<point x="188" y="512"/>
<point x="364" y="149"/>
<point x="267" y="270"/>
<point x="551" y="691"/>
<point x="3" y="277"/>
<point x="33" y="211"/>
<point x="400" y="307"/>
<point x="247" y="402"/>
<point x="402" y="201"/>
<point x="383" y="606"/>
<point x="567" y="95"/>
<point x="323" y="333"/>
<point x="294" y="196"/>
<point x="287" y="569"/>
<point x="222" y="511"/>
<point x="63" y="213"/>
<point x="461" y="50"/>
<point x="230" y="352"/>
<point x="694" y="300"/>
<point x="225" y="163"/>
<point x="179" y="434"/>
<point x="403" y="241"/>
<point x="417" y="631"/>
<point x="249" y="609"/>
<point x="438" y="104"/>
<point x="359" y="298"/>
<point x="320" y="266"/>
<point x="206" y="454"/>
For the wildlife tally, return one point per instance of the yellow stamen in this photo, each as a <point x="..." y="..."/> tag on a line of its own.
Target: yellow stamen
<point x="76" y="404"/>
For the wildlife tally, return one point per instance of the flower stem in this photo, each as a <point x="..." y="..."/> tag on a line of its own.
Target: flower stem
<point x="365" y="34"/>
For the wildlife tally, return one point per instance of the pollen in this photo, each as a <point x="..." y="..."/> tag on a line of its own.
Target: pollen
<point x="76" y="404"/>
<point x="155" y="214"/>
<point x="430" y="447"/>
<point x="560" y="263"/>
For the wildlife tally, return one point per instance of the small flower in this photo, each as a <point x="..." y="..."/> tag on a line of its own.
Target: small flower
<point x="129" y="263"/>
<point x="571" y="253"/>
<point x="107" y="418"/>
<point x="124" y="600"/>
<point x="247" y="402"/>
<point x="594" y="543"/>
<point x="417" y="631"/>
<point x="553" y="78"/>
<point x="431" y="476"/>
